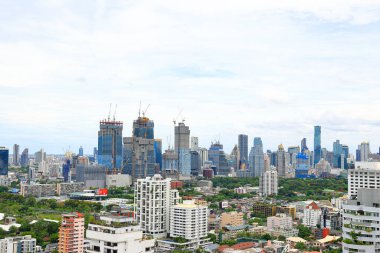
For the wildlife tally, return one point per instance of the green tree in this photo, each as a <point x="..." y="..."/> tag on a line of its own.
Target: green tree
<point x="300" y="246"/>
<point x="304" y="232"/>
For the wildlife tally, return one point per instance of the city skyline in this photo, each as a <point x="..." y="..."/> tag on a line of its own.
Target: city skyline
<point x="262" y="69"/>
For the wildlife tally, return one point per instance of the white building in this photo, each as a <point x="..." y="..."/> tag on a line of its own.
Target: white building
<point x="311" y="215"/>
<point x="19" y="244"/>
<point x="153" y="199"/>
<point x="280" y="221"/>
<point x="188" y="220"/>
<point x="361" y="222"/>
<point x="117" y="235"/>
<point x="365" y="175"/>
<point x="269" y="183"/>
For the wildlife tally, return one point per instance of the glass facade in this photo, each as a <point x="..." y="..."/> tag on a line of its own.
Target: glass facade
<point x="4" y="159"/>
<point x="317" y="144"/>
<point x="110" y="144"/>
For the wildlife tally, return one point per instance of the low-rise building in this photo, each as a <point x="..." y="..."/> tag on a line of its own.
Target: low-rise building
<point x="311" y="215"/>
<point x="19" y="244"/>
<point x="118" y="180"/>
<point x="232" y="219"/>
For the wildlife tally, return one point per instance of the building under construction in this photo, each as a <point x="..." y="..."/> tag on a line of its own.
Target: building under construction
<point x="110" y="144"/>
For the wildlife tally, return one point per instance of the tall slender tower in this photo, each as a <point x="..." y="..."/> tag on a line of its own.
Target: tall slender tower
<point x="182" y="148"/>
<point x="243" y="150"/>
<point x="317" y="144"/>
<point x="281" y="161"/>
<point x="16" y="154"/>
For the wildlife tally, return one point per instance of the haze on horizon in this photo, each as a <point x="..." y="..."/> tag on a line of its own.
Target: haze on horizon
<point x="270" y="69"/>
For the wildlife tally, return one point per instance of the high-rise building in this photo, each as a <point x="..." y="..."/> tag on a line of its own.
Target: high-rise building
<point x="337" y="150"/>
<point x="153" y="199"/>
<point x="182" y="148"/>
<point x="203" y="153"/>
<point x="311" y="215"/>
<point x="16" y="154"/>
<point x="281" y="161"/>
<point x="71" y="234"/>
<point x="364" y="151"/>
<point x="40" y="156"/>
<point x="303" y="145"/>
<point x="358" y="158"/>
<point x="303" y="165"/>
<point x="4" y="157"/>
<point x="139" y="150"/>
<point x="117" y="234"/>
<point x="19" y="244"/>
<point x="269" y="183"/>
<point x="293" y="151"/>
<point x="169" y="160"/>
<point x="195" y="163"/>
<point x="361" y="222"/>
<point x="110" y="144"/>
<point x="24" y="159"/>
<point x="257" y="157"/>
<point x="95" y="154"/>
<point x="217" y="156"/>
<point x="194" y="143"/>
<point x="188" y="220"/>
<point x="66" y="171"/>
<point x="243" y="150"/>
<point x="158" y="152"/>
<point x="80" y="153"/>
<point x="317" y="144"/>
<point x="365" y="175"/>
<point x="345" y="153"/>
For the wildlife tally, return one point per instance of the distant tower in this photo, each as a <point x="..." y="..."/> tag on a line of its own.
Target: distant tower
<point x="303" y="145"/>
<point x="182" y="148"/>
<point x="281" y="161"/>
<point x="257" y="157"/>
<point x="16" y="154"/>
<point x="4" y="157"/>
<point x="364" y="151"/>
<point x="194" y="143"/>
<point x="110" y="144"/>
<point x="243" y="150"/>
<point x="80" y="151"/>
<point x="317" y="144"/>
<point x="24" y="160"/>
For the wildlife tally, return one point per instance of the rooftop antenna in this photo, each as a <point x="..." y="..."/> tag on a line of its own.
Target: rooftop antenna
<point x="146" y="110"/>
<point x="114" y="114"/>
<point x="109" y="113"/>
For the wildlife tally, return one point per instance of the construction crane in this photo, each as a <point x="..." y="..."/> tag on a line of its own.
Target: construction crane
<point x="109" y="113"/>
<point x="145" y="110"/>
<point x="175" y="119"/>
<point x="114" y="114"/>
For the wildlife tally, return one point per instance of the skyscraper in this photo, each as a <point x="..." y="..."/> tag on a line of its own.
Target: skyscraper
<point x="268" y="183"/>
<point x="218" y="158"/>
<point x="110" y="144"/>
<point x="303" y="145"/>
<point x="24" y="160"/>
<point x="243" y="150"/>
<point x="16" y="154"/>
<point x="182" y="148"/>
<point x="158" y="152"/>
<point x="139" y="150"/>
<point x="95" y="154"/>
<point x="281" y="161"/>
<point x="4" y="156"/>
<point x="194" y="143"/>
<point x="80" y="151"/>
<point x="66" y="171"/>
<point x="317" y="144"/>
<point x="257" y="157"/>
<point x="337" y="150"/>
<point x="364" y="151"/>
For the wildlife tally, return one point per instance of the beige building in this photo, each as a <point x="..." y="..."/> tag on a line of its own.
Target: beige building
<point x="232" y="219"/>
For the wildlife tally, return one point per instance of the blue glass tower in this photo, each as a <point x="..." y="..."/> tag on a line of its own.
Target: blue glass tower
<point x="66" y="171"/>
<point x="317" y="144"/>
<point x="80" y="151"/>
<point x="302" y="167"/>
<point x="110" y="144"/>
<point x="4" y="157"/>
<point x="158" y="151"/>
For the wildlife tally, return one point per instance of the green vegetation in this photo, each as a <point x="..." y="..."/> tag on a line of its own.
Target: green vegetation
<point x="120" y="192"/>
<point x="304" y="232"/>
<point x="232" y="183"/>
<point x="300" y="246"/>
<point x="226" y="194"/>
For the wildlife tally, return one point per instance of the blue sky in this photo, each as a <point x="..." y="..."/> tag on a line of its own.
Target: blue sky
<point x="264" y="68"/>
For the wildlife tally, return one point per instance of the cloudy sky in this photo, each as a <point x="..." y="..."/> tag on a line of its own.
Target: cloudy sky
<point x="264" y="68"/>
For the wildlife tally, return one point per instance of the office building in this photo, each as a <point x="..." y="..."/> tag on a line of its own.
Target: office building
<point x="158" y="152"/>
<point x="110" y="144"/>
<point x="195" y="163"/>
<point x="194" y="144"/>
<point x="80" y="153"/>
<point x="256" y="157"/>
<point x="232" y="219"/>
<point x="268" y="183"/>
<point x="317" y="144"/>
<point x="66" y="171"/>
<point x="71" y="234"/>
<point x="4" y="156"/>
<point x="91" y="175"/>
<point x="302" y="166"/>
<point x="361" y="222"/>
<point x="139" y="150"/>
<point x="39" y="156"/>
<point x="243" y="150"/>
<point x="169" y="160"/>
<point x="364" y="151"/>
<point x="311" y="215"/>
<point x="281" y="161"/>
<point x="95" y="154"/>
<point x="182" y="148"/>
<point x="280" y="220"/>
<point x="304" y="145"/>
<point x="117" y="234"/>
<point x="18" y="244"/>
<point x="24" y="159"/>
<point x="365" y="175"/>
<point x="337" y="150"/>
<point x="217" y="156"/>
<point x="16" y="154"/>
<point x="322" y="168"/>
<point x="203" y="154"/>
<point x="293" y="151"/>
<point x="153" y="199"/>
